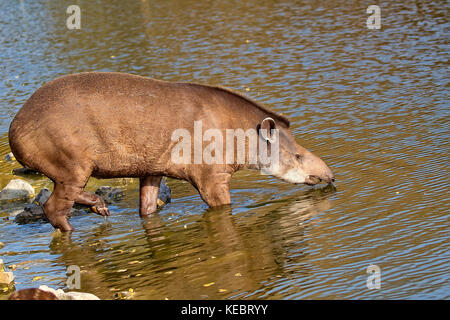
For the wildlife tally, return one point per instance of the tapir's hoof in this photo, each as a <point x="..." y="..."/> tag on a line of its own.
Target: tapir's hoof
<point x="103" y="211"/>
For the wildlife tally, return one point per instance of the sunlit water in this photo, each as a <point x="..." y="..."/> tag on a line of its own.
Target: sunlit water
<point x="372" y="103"/>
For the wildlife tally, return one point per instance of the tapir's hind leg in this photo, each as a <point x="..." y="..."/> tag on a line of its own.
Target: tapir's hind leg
<point x="59" y="204"/>
<point x="97" y="204"/>
<point x="69" y="182"/>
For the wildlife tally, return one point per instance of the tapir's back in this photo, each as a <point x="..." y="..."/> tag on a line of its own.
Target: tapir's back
<point x="119" y="121"/>
<point x="120" y="124"/>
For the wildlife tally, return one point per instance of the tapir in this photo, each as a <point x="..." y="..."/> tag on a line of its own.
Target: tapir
<point x="110" y="125"/>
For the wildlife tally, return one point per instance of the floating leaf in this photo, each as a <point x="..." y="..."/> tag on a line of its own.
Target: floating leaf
<point x="37" y="278"/>
<point x="208" y="284"/>
<point x="223" y="290"/>
<point x="238" y="274"/>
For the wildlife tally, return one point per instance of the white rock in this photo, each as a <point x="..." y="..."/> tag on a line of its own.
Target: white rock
<point x="74" y="295"/>
<point x="71" y="295"/>
<point x="6" y="277"/>
<point x="16" y="189"/>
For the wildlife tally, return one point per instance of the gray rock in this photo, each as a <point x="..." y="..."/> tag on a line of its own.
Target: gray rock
<point x="16" y="190"/>
<point x="31" y="213"/>
<point x="109" y="194"/>
<point x="42" y="197"/>
<point x="164" y="192"/>
<point x="25" y="171"/>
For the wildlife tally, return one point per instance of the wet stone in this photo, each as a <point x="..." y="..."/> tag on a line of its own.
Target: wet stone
<point x="109" y="194"/>
<point x="42" y="197"/>
<point x="16" y="190"/>
<point x="25" y="171"/>
<point x="164" y="192"/>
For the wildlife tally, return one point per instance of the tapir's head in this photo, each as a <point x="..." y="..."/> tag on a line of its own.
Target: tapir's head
<point x="294" y="163"/>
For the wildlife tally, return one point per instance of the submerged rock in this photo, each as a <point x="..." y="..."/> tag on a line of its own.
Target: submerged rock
<point x="16" y="190"/>
<point x="31" y="213"/>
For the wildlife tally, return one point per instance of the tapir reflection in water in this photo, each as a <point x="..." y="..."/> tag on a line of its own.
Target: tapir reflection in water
<point x="110" y="125"/>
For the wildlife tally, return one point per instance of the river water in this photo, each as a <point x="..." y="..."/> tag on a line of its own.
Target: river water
<point x="372" y="103"/>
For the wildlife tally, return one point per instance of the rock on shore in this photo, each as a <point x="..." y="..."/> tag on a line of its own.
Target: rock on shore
<point x="47" y="293"/>
<point x="71" y="295"/>
<point x="6" y="277"/>
<point x="16" y="190"/>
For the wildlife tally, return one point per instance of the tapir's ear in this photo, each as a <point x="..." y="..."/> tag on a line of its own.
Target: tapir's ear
<point x="266" y="127"/>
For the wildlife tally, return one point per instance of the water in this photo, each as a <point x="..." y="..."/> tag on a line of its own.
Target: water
<point x="372" y="103"/>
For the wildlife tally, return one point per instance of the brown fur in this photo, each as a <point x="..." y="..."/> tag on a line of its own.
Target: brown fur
<point x="32" y="294"/>
<point x="111" y="125"/>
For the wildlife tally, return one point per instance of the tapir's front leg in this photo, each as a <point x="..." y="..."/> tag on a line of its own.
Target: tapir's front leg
<point x="215" y="188"/>
<point x="149" y="188"/>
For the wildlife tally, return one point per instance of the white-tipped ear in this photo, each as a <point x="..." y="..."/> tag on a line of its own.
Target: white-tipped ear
<point x="267" y="125"/>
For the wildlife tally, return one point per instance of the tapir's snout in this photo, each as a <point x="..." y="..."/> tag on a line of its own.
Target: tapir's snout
<point x="316" y="170"/>
<point x="304" y="168"/>
<point x="312" y="180"/>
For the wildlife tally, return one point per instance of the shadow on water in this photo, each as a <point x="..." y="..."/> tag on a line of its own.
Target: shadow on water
<point x="210" y="255"/>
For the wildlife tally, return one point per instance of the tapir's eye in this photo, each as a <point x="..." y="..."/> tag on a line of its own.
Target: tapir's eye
<point x="299" y="157"/>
